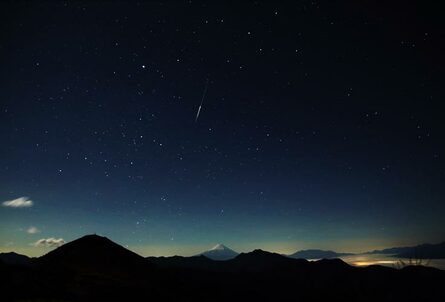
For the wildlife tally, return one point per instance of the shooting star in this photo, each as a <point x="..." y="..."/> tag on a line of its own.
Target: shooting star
<point x="202" y="101"/>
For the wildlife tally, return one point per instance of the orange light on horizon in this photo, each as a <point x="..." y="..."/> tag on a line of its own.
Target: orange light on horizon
<point x="373" y="262"/>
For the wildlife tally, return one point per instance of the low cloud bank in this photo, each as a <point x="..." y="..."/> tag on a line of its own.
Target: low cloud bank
<point x="49" y="242"/>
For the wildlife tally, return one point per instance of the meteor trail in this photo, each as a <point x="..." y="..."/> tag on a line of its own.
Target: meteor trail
<point x="202" y="100"/>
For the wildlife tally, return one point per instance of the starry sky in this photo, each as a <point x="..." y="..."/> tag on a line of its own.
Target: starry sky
<point x="321" y="125"/>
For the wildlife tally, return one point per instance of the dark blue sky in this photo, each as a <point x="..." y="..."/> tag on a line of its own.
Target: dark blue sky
<point x="322" y="125"/>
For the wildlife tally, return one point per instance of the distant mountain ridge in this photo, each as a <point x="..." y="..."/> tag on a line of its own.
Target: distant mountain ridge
<point x="422" y="251"/>
<point x="255" y="261"/>
<point x="317" y="254"/>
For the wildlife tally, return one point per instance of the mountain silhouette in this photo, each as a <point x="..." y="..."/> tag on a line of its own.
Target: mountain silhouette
<point x="94" y="268"/>
<point x="13" y="258"/>
<point x="220" y="252"/>
<point x="94" y="253"/>
<point x="259" y="260"/>
<point x="422" y="251"/>
<point x="89" y="268"/>
<point x="317" y="254"/>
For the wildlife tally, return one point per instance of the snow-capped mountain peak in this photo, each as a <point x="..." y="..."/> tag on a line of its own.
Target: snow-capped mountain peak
<point x="219" y="247"/>
<point x="220" y="252"/>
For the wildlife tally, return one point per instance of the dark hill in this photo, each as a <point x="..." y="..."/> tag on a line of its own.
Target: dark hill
<point x="259" y="260"/>
<point x="195" y="262"/>
<point x="12" y="258"/>
<point x="255" y="261"/>
<point x="95" y="254"/>
<point x="331" y="264"/>
<point x="89" y="268"/>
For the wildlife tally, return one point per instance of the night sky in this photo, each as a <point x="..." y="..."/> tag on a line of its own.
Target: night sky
<point x="321" y="125"/>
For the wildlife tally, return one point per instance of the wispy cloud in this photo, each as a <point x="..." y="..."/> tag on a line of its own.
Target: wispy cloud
<point x="21" y="202"/>
<point x="32" y="230"/>
<point x="49" y="242"/>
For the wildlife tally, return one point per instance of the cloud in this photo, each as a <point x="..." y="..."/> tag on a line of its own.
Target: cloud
<point x="32" y="230"/>
<point x="21" y="202"/>
<point x="49" y="242"/>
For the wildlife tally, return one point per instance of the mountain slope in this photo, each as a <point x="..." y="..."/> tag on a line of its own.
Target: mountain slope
<point x="259" y="260"/>
<point x="97" y="254"/>
<point x="91" y="268"/>
<point x="14" y="259"/>
<point x="220" y="252"/>
<point x="194" y="262"/>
